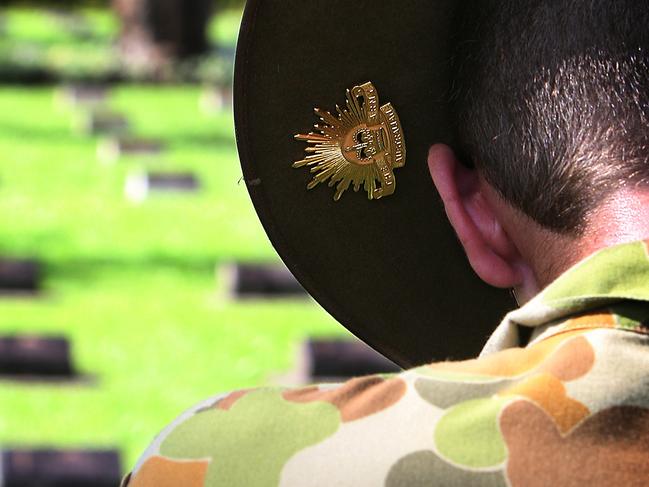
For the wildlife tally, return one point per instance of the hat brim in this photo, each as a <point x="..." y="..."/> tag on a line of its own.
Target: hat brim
<point x="390" y="270"/>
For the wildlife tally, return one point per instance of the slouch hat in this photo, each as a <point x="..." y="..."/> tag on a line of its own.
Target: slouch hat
<point x="383" y="259"/>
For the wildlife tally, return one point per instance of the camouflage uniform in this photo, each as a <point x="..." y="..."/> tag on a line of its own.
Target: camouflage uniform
<point x="571" y="408"/>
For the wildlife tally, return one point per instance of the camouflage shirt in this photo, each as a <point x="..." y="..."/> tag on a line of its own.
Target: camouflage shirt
<point x="570" y="408"/>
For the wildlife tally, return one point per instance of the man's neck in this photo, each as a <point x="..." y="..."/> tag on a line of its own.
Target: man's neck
<point x="622" y="218"/>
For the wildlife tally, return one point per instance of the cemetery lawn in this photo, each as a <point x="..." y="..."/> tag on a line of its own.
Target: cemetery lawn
<point x="132" y="285"/>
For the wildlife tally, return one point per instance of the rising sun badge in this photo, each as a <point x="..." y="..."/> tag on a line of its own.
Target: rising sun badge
<point x="360" y="146"/>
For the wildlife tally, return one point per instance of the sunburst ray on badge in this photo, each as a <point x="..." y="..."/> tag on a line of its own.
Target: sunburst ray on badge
<point x="326" y="160"/>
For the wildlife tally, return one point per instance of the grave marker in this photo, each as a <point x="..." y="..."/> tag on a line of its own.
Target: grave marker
<point x="60" y="468"/>
<point x="259" y="281"/>
<point x="111" y="149"/>
<point x="19" y="276"/>
<point x="215" y="99"/>
<point x="335" y="360"/>
<point x="83" y="95"/>
<point x="102" y="122"/>
<point x="139" y="185"/>
<point x="30" y="356"/>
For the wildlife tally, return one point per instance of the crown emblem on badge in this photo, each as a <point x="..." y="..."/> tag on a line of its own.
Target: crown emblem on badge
<point x="360" y="146"/>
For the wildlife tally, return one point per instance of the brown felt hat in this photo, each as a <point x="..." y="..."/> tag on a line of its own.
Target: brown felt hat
<point x="389" y="268"/>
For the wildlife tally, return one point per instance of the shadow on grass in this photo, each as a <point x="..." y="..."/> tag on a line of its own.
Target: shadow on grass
<point x="203" y="141"/>
<point x="88" y="268"/>
<point x="36" y="133"/>
<point x="84" y="268"/>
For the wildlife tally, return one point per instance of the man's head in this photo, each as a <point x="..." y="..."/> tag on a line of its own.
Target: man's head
<point x="552" y="100"/>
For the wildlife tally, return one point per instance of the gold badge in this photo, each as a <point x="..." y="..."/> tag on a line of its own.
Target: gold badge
<point x="360" y="147"/>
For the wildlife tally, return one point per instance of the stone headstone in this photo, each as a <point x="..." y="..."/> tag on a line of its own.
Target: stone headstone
<point x="19" y="276"/>
<point x="335" y="360"/>
<point x="102" y="122"/>
<point x="60" y="468"/>
<point x="83" y="95"/>
<point x="178" y="181"/>
<point x="258" y="281"/>
<point x="215" y="99"/>
<point x="111" y="149"/>
<point x="22" y="356"/>
<point x="139" y="185"/>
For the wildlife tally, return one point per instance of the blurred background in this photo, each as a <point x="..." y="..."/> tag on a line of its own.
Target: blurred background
<point x="127" y="240"/>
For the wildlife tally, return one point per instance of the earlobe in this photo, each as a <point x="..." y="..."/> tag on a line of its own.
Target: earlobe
<point x="490" y="251"/>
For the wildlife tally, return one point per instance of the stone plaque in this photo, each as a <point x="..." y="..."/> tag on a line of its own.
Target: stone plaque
<point x="83" y="95"/>
<point x="139" y="185"/>
<point x="258" y="281"/>
<point x="60" y="468"/>
<point x="111" y="149"/>
<point x="337" y="359"/>
<point x="22" y="356"/>
<point x="19" y="276"/>
<point x="102" y="122"/>
<point x="215" y="99"/>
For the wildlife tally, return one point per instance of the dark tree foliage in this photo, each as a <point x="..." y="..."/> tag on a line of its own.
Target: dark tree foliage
<point x="220" y="4"/>
<point x="55" y="4"/>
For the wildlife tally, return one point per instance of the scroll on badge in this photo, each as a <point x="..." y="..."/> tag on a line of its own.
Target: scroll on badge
<point x="360" y="146"/>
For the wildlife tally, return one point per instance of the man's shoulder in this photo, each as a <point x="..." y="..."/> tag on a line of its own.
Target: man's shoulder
<point x="461" y="423"/>
<point x="264" y="427"/>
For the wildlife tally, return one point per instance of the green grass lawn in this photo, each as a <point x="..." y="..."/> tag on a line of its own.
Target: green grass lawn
<point x="132" y="285"/>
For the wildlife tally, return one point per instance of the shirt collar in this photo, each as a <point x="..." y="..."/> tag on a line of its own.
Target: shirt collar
<point x="608" y="276"/>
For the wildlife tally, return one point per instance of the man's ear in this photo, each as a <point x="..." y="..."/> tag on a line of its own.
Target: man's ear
<point x="491" y="252"/>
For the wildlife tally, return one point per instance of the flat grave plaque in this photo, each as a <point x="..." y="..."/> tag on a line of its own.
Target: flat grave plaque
<point x="19" y="276"/>
<point x="215" y="99"/>
<point x="259" y="281"/>
<point x="60" y="468"/>
<point x="110" y="150"/>
<point x="139" y="185"/>
<point x="84" y="95"/>
<point x="180" y="181"/>
<point x="35" y="357"/>
<point x="102" y="122"/>
<point x="335" y="360"/>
